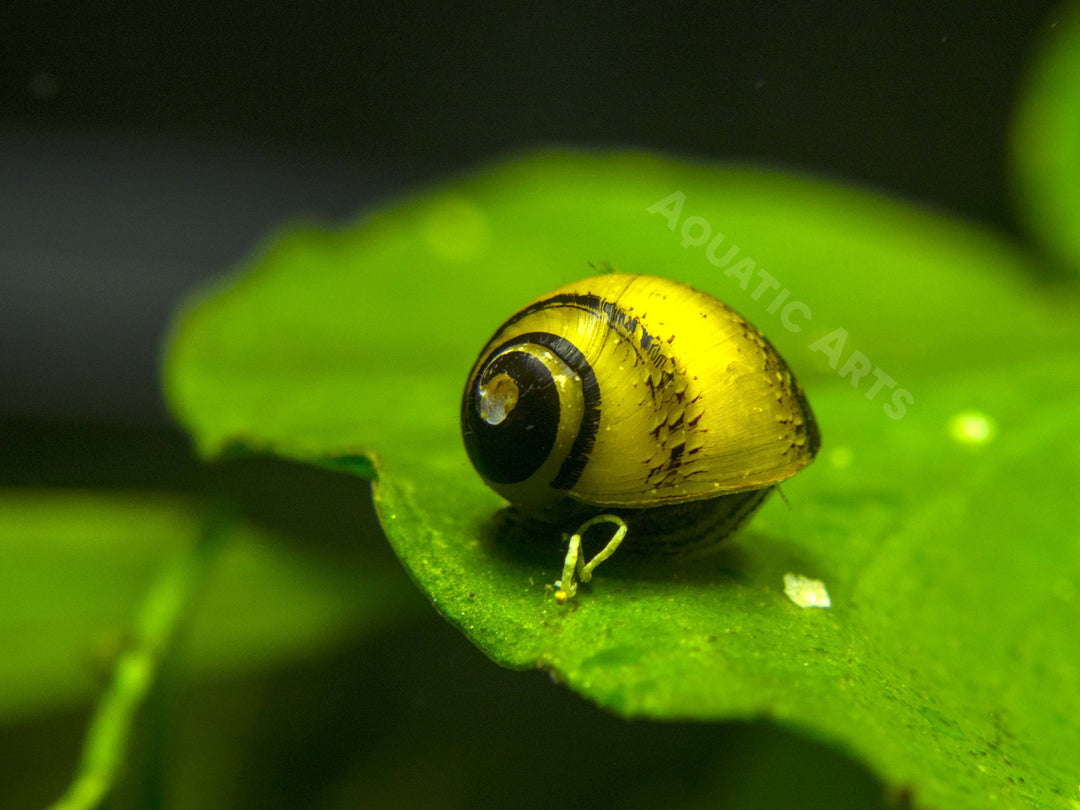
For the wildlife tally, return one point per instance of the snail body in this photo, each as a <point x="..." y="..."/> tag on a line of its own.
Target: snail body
<point x="636" y="395"/>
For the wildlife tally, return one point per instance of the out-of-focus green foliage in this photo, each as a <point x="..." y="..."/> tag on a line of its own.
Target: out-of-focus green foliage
<point x="1046" y="139"/>
<point x="77" y="565"/>
<point x="946" y="662"/>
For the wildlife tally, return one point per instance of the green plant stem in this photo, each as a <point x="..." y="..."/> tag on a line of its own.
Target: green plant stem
<point x="160" y="615"/>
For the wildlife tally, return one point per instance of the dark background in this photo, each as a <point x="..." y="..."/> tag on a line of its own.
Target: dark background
<point x="145" y="147"/>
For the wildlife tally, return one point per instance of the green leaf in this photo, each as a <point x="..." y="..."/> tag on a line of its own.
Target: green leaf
<point x="76" y="566"/>
<point x="1046" y="139"/>
<point x="942" y="536"/>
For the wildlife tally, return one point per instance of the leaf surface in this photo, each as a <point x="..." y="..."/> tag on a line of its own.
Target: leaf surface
<point x="946" y="538"/>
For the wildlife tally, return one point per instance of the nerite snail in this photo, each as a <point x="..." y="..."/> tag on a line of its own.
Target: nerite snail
<point x="638" y="401"/>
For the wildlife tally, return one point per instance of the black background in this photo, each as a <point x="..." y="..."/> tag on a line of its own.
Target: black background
<point x="145" y="146"/>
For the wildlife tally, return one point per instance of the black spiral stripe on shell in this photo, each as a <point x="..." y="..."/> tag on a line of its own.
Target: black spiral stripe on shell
<point x="651" y="348"/>
<point x="512" y="450"/>
<point x="575" y="461"/>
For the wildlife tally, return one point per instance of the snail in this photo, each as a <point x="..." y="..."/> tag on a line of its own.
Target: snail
<point x="638" y="401"/>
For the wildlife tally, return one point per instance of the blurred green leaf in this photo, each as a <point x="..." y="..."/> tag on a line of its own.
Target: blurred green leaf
<point x="945" y="663"/>
<point x="76" y="566"/>
<point x="1046" y="138"/>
